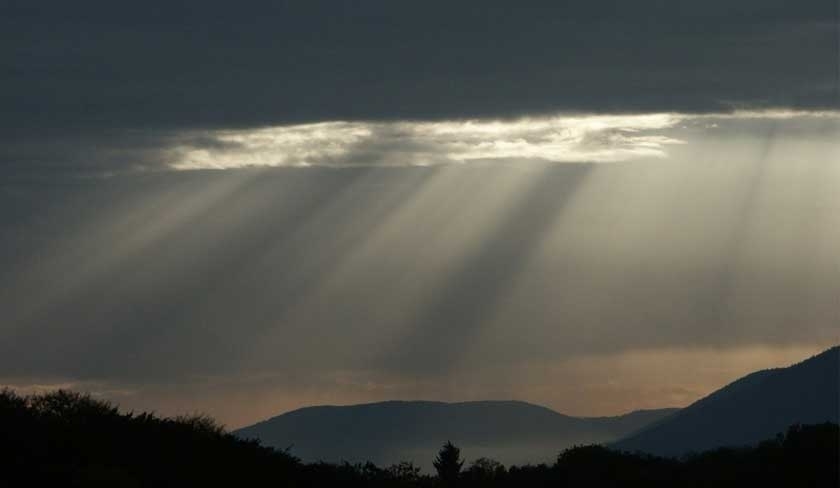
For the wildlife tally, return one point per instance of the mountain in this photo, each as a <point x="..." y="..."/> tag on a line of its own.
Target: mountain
<point x="389" y="432"/>
<point x="755" y="407"/>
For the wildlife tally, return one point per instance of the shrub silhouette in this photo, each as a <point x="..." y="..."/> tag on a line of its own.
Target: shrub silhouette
<point x="404" y="473"/>
<point x="484" y="472"/>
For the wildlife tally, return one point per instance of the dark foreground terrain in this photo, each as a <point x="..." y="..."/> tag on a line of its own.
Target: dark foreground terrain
<point x="69" y="439"/>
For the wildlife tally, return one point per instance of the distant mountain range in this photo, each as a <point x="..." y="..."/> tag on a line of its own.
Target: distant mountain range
<point x="751" y="409"/>
<point x="755" y="407"/>
<point x="511" y="432"/>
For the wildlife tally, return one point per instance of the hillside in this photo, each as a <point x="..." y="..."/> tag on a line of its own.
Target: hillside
<point x="755" y="407"/>
<point x="65" y="438"/>
<point x="388" y="432"/>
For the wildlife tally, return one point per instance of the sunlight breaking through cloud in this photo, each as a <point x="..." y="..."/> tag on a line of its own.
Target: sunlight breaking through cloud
<point x="561" y="138"/>
<point x="589" y="138"/>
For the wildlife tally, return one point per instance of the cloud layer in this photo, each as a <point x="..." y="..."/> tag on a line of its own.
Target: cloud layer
<point x="87" y="74"/>
<point x="577" y="138"/>
<point x="207" y="63"/>
<point x="560" y="139"/>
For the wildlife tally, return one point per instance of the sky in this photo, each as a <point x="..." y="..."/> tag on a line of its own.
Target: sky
<point x="595" y="206"/>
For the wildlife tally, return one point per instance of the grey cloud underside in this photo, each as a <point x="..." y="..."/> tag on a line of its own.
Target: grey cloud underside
<point x="95" y="65"/>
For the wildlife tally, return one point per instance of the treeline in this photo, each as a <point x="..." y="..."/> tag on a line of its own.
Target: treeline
<point x="69" y="439"/>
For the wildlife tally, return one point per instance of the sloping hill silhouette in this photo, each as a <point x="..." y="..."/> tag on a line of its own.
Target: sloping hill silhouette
<point x="753" y="408"/>
<point x="389" y="432"/>
<point x="65" y="438"/>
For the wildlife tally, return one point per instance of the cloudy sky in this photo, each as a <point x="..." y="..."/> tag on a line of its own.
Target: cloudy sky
<point x="243" y="209"/>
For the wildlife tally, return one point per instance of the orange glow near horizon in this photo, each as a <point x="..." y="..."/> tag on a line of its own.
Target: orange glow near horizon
<point x="585" y="386"/>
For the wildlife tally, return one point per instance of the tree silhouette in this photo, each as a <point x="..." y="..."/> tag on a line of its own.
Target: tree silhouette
<point x="404" y="473"/>
<point x="484" y="472"/>
<point x="448" y="464"/>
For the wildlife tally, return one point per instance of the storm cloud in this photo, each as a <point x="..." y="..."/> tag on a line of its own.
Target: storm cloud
<point x="97" y="72"/>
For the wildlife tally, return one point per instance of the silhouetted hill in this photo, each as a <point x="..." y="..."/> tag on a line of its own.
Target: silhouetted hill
<point x="69" y="439"/>
<point x="389" y="432"/>
<point x="753" y="408"/>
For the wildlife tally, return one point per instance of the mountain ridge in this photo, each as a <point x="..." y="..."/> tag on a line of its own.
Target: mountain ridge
<point x="752" y="408"/>
<point x="511" y="431"/>
<point x="749" y="409"/>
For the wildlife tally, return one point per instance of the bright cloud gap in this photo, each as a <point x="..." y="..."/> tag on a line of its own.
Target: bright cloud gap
<point x="561" y="138"/>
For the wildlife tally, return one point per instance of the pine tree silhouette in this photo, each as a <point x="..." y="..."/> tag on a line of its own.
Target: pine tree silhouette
<point x="448" y="464"/>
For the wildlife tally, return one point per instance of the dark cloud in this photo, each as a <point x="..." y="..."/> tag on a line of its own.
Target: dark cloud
<point x="87" y="68"/>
